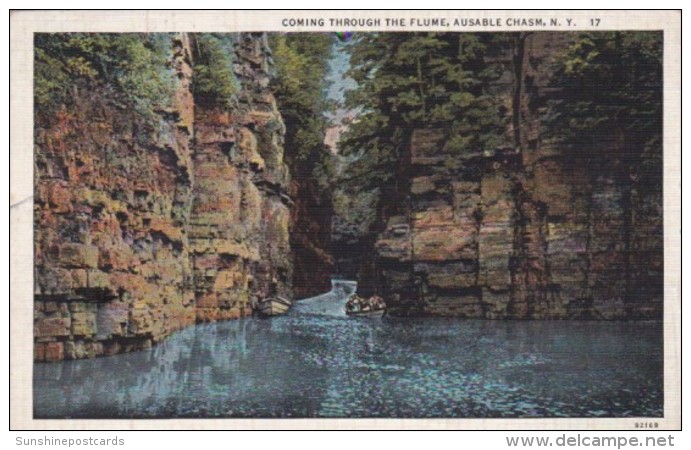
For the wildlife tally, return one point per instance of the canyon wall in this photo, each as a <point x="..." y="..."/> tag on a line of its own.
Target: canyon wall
<point x="151" y="219"/>
<point x="523" y="231"/>
<point x="310" y="237"/>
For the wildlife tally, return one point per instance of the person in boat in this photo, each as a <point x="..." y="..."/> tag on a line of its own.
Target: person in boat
<point x="377" y="302"/>
<point x="351" y="306"/>
<point x="355" y="303"/>
<point x="273" y="287"/>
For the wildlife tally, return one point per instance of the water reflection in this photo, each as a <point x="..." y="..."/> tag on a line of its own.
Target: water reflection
<point x="314" y="362"/>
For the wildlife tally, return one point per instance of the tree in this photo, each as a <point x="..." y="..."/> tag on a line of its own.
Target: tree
<point x="611" y="92"/>
<point x="300" y="88"/>
<point x="214" y="82"/>
<point x="421" y="80"/>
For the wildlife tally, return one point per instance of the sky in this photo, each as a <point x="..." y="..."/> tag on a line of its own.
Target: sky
<point x="338" y="66"/>
<point x="340" y="84"/>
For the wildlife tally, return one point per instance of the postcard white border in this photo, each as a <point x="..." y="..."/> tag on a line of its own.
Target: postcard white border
<point x="24" y="23"/>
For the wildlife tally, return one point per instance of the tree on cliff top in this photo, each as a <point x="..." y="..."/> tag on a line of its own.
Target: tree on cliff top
<point x="611" y="97"/>
<point x="422" y="80"/>
<point x="133" y="66"/>
<point x="301" y="61"/>
<point x="214" y="81"/>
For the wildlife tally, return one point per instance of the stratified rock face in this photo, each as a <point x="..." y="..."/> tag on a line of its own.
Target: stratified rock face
<point x="521" y="232"/>
<point x="144" y="227"/>
<point x="240" y="218"/>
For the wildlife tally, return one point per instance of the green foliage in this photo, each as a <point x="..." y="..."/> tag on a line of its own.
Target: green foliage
<point x="51" y="79"/>
<point x="214" y="81"/>
<point x="425" y="80"/>
<point x="134" y="66"/>
<point x="611" y="97"/>
<point x="301" y="61"/>
<point x="421" y="80"/>
<point x="300" y="86"/>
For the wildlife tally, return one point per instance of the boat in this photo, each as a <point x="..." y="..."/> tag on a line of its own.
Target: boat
<point x="357" y="306"/>
<point x="372" y="313"/>
<point x="274" y="306"/>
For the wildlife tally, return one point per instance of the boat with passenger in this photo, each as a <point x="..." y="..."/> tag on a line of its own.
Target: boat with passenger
<point x="357" y="306"/>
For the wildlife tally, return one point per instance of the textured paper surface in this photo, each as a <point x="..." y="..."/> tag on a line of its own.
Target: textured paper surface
<point x="24" y="24"/>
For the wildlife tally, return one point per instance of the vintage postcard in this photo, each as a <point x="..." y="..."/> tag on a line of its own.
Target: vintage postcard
<point x="459" y="219"/>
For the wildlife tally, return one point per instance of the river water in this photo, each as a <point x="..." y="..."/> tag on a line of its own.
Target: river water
<point x="315" y="362"/>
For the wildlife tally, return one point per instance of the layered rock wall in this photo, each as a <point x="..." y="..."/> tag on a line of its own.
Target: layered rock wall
<point x="145" y="225"/>
<point x="239" y="237"/>
<point x="522" y="231"/>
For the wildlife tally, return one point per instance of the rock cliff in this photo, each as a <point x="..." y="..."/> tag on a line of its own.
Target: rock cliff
<point x="150" y="219"/>
<point x="522" y="231"/>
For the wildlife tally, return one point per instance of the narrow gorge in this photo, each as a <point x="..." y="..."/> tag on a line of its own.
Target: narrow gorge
<point x="181" y="178"/>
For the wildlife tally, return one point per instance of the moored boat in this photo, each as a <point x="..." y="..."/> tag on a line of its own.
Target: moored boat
<point x="274" y="306"/>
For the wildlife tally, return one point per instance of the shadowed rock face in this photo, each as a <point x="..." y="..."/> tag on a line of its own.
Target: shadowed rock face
<point x="310" y="237"/>
<point x="143" y="227"/>
<point x="521" y="232"/>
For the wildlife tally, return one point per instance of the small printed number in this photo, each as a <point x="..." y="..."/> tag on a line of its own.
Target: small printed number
<point x="595" y="22"/>
<point x="647" y="425"/>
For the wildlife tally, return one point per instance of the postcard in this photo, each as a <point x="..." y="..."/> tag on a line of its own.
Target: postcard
<point x="331" y="219"/>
